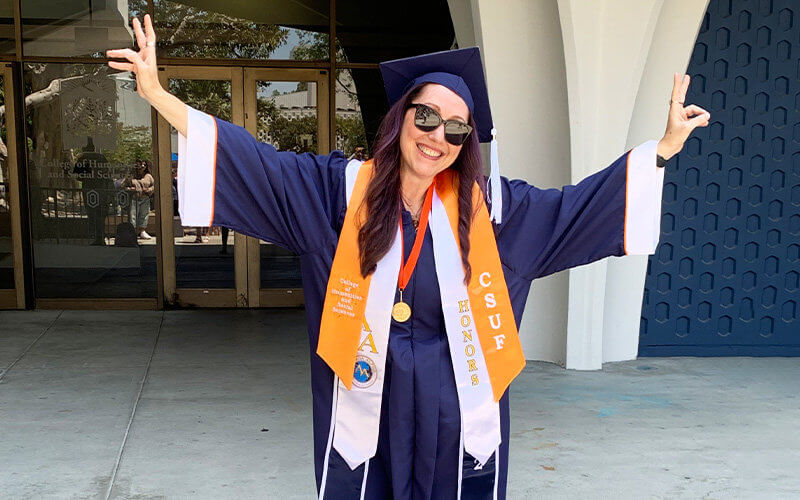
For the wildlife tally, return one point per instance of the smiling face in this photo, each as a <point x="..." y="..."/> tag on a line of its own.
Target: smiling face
<point x="425" y="154"/>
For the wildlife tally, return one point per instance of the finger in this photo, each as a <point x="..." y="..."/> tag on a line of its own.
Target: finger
<point x="137" y="30"/>
<point x="676" y="88"/>
<point x="128" y="54"/>
<point x="684" y="87"/>
<point x="693" y="110"/>
<point x="150" y="33"/>
<point x="699" y="121"/>
<point x="121" y="65"/>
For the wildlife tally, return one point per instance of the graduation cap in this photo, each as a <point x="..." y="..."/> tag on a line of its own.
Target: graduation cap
<point x="461" y="71"/>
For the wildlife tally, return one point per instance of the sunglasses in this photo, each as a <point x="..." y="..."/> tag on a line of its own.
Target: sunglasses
<point x="428" y="119"/>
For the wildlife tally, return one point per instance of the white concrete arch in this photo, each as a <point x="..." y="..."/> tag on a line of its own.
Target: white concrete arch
<point x="574" y="84"/>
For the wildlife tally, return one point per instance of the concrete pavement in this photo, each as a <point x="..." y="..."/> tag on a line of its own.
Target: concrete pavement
<point x="217" y="404"/>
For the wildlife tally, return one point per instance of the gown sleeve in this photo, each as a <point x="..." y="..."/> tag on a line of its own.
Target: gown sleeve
<point x="228" y="178"/>
<point x="616" y="211"/>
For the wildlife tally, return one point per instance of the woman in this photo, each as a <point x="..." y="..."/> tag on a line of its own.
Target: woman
<point x="141" y="187"/>
<point x="408" y="279"/>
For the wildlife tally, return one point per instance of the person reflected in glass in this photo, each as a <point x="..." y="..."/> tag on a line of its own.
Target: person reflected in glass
<point x="200" y="234"/>
<point x="359" y="153"/>
<point x="141" y="187"/>
<point x="91" y="169"/>
<point x="174" y="168"/>
<point x="225" y="233"/>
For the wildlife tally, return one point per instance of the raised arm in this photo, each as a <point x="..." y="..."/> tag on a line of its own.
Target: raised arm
<point x="227" y="178"/>
<point x="614" y="212"/>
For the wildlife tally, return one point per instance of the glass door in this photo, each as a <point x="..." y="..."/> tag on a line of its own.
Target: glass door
<point x="12" y="293"/>
<point x="202" y="266"/>
<point x="287" y="108"/>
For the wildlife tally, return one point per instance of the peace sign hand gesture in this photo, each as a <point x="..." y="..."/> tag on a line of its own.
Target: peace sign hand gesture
<point x="143" y="62"/>
<point x="682" y="120"/>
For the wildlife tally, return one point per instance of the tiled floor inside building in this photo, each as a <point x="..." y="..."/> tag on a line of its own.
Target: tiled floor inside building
<point x="217" y="404"/>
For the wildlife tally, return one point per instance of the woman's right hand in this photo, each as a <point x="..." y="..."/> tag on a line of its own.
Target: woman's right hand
<point x="143" y="62"/>
<point x="143" y="65"/>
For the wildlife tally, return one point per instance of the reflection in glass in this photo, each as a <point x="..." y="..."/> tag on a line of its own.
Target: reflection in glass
<point x="360" y="106"/>
<point x="6" y="248"/>
<point x="7" y="43"/>
<point x="77" y="27"/>
<point x="350" y="135"/>
<point x="87" y="132"/>
<point x="287" y="115"/>
<point x="203" y="255"/>
<point x="296" y="29"/>
<point x="287" y="119"/>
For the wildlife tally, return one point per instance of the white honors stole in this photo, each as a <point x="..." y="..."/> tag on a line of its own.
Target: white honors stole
<point x="481" y="330"/>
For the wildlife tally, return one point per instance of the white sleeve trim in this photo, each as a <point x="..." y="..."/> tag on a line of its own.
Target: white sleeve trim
<point x="197" y="158"/>
<point x="643" y="189"/>
<point x="350" y="174"/>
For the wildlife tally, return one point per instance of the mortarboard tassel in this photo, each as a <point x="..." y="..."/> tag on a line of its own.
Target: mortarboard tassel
<point x="496" y="193"/>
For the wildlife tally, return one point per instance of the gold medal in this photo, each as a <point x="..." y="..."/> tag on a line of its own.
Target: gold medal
<point x="401" y="312"/>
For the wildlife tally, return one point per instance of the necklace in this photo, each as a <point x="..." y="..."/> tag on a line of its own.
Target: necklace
<point x="401" y="311"/>
<point x="415" y="216"/>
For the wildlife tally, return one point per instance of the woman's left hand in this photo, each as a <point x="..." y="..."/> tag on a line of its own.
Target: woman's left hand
<point x="682" y="120"/>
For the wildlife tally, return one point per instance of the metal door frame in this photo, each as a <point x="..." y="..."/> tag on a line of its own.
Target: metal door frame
<point x="13" y="298"/>
<point x="281" y="297"/>
<point x="200" y="297"/>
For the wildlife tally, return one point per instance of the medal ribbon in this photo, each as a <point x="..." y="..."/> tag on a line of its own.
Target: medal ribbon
<point x="407" y="268"/>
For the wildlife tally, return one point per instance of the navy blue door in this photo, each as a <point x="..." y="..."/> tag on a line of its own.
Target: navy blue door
<point x="725" y="277"/>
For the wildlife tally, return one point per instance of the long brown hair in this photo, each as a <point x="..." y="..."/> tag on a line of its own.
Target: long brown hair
<point x="383" y="202"/>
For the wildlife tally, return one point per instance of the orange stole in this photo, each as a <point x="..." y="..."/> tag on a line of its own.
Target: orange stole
<point x="488" y="293"/>
<point x="346" y="295"/>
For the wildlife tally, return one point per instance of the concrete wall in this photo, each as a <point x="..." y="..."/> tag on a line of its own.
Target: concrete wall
<point x="574" y="84"/>
<point x="520" y="41"/>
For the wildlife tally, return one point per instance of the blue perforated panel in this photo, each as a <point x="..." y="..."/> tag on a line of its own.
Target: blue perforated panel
<point x="725" y="278"/>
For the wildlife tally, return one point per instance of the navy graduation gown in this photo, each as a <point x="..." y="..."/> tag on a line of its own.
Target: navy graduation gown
<point x="297" y="201"/>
